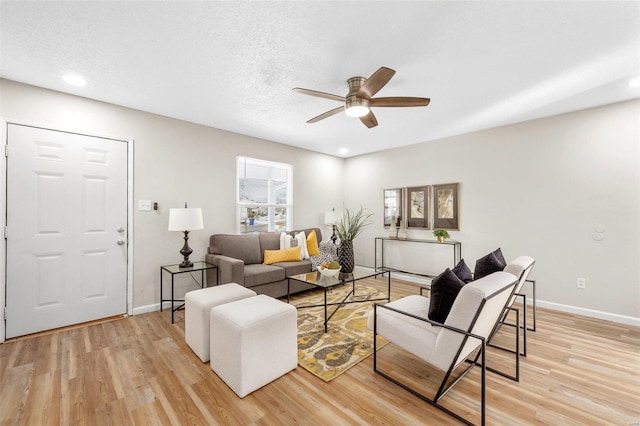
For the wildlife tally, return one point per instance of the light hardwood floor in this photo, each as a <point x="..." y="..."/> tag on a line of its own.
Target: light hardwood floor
<point x="138" y="370"/>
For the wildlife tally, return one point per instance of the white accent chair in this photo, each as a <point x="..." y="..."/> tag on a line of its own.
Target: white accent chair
<point x="253" y="342"/>
<point x="197" y="306"/>
<point x="521" y="268"/>
<point x="463" y="336"/>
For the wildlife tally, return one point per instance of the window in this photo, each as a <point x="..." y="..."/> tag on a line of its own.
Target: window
<point x="264" y="195"/>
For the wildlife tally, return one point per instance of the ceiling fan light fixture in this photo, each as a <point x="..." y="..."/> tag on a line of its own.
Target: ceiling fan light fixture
<point x="356" y="107"/>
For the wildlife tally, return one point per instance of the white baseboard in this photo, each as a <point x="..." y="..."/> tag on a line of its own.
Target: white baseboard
<point x="151" y="308"/>
<point x="592" y="313"/>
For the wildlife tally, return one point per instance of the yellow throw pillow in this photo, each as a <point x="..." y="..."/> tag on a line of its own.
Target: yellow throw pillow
<point x="286" y="255"/>
<point x="312" y="244"/>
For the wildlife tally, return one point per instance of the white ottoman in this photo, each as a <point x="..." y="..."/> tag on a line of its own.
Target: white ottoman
<point x="255" y="342"/>
<point x="198" y="304"/>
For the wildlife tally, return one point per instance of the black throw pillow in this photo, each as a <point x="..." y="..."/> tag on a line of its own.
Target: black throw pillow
<point x="444" y="290"/>
<point x="500" y="257"/>
<point x="463" y="272"/>
<point x="493" y="262"/>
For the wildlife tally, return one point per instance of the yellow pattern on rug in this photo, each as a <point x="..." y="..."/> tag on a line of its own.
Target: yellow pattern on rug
<point x="348" y="340"/>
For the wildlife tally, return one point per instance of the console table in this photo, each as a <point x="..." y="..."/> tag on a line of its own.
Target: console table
<point x="456" y="245"/>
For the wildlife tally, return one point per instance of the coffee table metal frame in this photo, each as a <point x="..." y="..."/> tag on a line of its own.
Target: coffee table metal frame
<point x="328" y="283"/>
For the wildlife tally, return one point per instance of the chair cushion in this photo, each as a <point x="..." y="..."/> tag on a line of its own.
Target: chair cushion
<point x="493" y="262"/>
<point x="402" y="330"/>
<point x="444" y="289"/>
<point x="463" y="272"/>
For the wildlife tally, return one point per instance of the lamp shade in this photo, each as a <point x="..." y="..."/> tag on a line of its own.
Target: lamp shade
<point x="186" y="219"/>
<point x="330" y="217"/>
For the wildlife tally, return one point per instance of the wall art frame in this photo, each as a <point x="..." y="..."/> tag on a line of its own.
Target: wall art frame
<point x="418" y="206"/>
<point x="392" y="201"/>
<point x="445" y="206"/>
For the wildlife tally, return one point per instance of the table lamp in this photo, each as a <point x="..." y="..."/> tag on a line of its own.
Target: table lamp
<point x="185" y="220"/>
<point x="331" y="218"/>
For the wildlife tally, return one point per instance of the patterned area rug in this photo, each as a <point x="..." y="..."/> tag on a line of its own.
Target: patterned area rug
<point x="348" y="340"/>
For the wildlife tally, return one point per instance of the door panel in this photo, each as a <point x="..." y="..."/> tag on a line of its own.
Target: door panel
<point x="66" y="199"/>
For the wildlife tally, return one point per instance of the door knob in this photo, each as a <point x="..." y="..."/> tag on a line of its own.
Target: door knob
<point x="120" y="242"/>
<point x="120" y="229"/>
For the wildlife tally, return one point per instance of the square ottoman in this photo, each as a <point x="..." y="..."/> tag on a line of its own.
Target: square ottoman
<point x="253" y="342"/>
<point x="198" y="304"/>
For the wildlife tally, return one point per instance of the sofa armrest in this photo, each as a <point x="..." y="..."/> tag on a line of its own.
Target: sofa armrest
<point x="230" y="270"/>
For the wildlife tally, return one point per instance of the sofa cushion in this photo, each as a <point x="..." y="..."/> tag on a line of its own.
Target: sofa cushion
<point x="245" y="247"/>
<point x="258" y="274"/>
<point x="444" y="290"/>
<point x="295" y="268"/>
<point x="285" y="255"/>
<point x="493" y="262"/>
<point x="269" y="241"/>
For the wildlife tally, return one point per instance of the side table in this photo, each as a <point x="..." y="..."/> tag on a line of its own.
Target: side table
<point x="176" y="270"/>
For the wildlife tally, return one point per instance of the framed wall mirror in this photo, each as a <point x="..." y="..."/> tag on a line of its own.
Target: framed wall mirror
<point x="392" y="204"/>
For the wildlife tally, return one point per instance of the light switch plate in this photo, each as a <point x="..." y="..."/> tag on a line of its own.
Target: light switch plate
<point x="144" y="205"/>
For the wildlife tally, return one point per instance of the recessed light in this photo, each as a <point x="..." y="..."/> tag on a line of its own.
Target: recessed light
<point x="635" y="82"/>
<point x="343" y="151"/>
<point x="74" y="79"/>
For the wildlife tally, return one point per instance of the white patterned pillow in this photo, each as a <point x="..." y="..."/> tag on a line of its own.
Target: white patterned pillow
<point x="301" y="240"/>
<point x="285" y="241"/>
<point x="328" y="253"/>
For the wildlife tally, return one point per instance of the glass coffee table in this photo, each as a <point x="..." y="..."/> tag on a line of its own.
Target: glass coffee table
<point x="327" y="283"/>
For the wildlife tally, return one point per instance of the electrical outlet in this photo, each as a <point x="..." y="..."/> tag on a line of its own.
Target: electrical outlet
<point x="144" y="205"/>
<point x="581" y="283"/>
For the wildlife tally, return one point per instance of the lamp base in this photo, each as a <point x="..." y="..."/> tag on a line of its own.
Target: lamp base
<point x="334" y="237"/>
<point x="186" y="264"/>
<point x="186" y="252"/>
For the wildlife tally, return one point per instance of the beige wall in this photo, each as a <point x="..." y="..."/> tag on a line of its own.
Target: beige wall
<point x="537" y="188"/>
<point x="174" y="162"/>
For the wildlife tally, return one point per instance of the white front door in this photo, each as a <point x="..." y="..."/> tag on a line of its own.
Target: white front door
<point x="66" y="229"/>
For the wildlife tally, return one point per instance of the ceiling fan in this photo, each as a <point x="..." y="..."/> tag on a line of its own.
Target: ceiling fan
<point x="359" y="100"/>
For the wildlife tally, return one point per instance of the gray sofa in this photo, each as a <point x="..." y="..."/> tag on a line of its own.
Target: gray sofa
<point x="240" y="257"/>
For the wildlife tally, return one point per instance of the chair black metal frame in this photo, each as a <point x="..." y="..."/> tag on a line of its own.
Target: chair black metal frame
<point x="443" y="388"/>
<point x="524" y="326"/>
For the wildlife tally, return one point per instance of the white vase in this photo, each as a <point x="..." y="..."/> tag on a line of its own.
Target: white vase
<point x="392" y="228"/>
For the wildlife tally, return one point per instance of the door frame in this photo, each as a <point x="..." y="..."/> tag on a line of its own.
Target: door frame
<point x="3" y="210"/>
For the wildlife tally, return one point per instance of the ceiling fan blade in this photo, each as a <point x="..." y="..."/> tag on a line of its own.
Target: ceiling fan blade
<point x="326" y="114"/>
<point x="399" y="101"/>
<point x="369" y="120"/>
<point x="319" y="94"/>
<point x="376" y="82"/>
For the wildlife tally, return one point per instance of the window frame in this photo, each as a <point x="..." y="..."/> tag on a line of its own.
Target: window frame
<point x="271" y="205"/>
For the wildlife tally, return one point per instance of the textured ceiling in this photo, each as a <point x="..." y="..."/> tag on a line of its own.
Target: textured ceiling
<point x="232" y="65"/>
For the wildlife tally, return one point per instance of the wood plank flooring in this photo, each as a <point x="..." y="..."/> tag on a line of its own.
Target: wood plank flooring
<point x="138" y="370"/>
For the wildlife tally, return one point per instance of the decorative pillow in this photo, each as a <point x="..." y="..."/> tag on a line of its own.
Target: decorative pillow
<point x="301" y="240"/>
<point x="285" y="255"/>
<point x="500" y="257"/>
<point x="493" y="262"/>
<point x="463" y="272"/>
<point x="444" y="290"/>
<point x="328" y="253"/>
<point x="285" y="240"/>
<point x="312" y="244"/>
